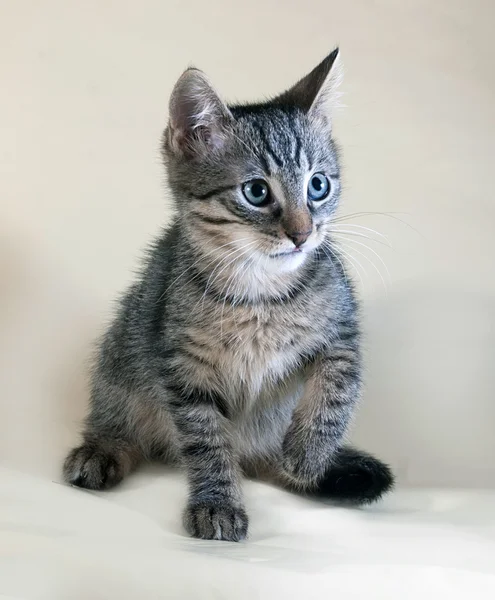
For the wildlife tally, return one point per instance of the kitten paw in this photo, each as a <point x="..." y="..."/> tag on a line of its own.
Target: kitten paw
<point x="216" y="520"/>
<point x="95" y="466"/>
<point x="306" y="458"/>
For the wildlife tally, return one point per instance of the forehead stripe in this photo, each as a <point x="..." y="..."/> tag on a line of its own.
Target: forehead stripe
<point x="297" y="154"/>
<point x="269" y="150"/>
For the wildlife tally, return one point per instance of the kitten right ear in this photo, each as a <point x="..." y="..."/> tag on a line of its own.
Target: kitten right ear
<point x="316" y="93"/>
<point x="198" y="117"/>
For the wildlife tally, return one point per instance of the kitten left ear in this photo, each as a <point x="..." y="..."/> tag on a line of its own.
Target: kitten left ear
<point x="198" y="117"/>
<point x="316" y="93"/>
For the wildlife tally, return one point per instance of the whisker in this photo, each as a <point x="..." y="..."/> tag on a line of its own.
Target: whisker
<point x="353" y="260"/>
<point x="369" y="260"/>
<point x="239" y="253"/>
<point x="391" y="215"/>
<point x="232" y="278"/>
<point x="356" y="234"/>
<point x="370" y="229"/>
<point x="234" y="303"/>
<point x="335" y="255"/>
<point x="370" y="250"/>
<point x="234" y="252"/>
<point x="194" y="264"/>
<point x="206" y="267"/>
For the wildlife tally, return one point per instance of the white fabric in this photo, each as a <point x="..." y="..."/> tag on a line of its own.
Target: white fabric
<point x="57" y="542"/>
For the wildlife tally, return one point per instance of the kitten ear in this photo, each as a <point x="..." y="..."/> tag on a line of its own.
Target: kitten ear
<point x="316" y="93"/>
<point x="198" y="117"/>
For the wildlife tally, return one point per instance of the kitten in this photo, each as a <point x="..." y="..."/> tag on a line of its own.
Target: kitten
<point x="237" y="350"/>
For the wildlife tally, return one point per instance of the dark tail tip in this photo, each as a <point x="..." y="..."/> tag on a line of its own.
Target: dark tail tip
<point x="356" y="478"/>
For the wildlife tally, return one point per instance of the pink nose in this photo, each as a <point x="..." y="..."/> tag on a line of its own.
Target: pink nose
<point x="299" y="237"/>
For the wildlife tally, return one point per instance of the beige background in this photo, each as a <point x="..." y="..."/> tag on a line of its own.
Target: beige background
<point x="84" y="95"/>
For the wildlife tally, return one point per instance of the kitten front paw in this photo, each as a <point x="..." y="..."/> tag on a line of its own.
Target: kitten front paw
<point x="216" y="520"/>
<point x="95" y="466"/>
<point x="306" y="457"/>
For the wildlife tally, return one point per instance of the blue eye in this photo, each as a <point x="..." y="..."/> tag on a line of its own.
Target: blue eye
<point x="256" y="192"/>
<point x="318" y="187"/>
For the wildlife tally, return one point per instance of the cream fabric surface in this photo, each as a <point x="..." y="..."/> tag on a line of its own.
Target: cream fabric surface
<point x="61" y="543"/>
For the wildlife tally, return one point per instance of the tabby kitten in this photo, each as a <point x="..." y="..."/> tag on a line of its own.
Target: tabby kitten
<point x="237" y="350"/>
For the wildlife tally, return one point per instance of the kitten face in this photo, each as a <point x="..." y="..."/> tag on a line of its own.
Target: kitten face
<point x="256" y="183"/>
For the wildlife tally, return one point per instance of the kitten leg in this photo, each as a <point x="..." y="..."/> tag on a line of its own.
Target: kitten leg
<point x="320" y="420"/>
<point x="215" y="508"/>
<point x="100" y="462"/>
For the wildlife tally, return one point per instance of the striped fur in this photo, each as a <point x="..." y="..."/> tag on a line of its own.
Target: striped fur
<point x="232" y="353"/>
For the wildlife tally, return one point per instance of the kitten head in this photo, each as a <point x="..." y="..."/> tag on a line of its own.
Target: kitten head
<point x="260" y="179"/>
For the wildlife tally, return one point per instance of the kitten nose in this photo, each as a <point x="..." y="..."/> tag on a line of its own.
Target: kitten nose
<point x="299" y="237"/>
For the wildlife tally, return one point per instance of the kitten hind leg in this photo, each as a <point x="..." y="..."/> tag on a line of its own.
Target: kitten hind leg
<point x="100" y="462"/>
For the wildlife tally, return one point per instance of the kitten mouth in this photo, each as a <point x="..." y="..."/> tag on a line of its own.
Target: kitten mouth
<point x="288" y="253"/>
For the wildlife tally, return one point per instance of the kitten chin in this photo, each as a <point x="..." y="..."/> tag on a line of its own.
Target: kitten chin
<point x="285" y="263"/>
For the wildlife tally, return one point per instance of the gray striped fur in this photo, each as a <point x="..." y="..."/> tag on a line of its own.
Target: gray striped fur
<point x="223" y="357"/>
